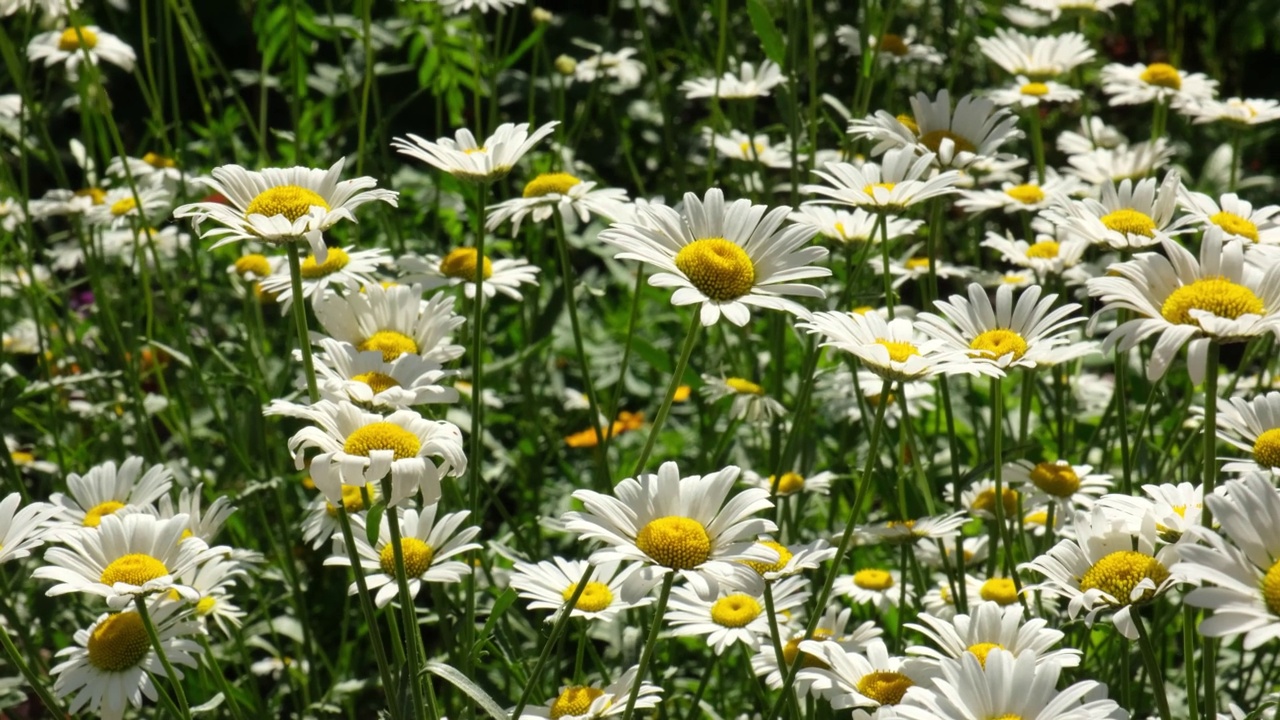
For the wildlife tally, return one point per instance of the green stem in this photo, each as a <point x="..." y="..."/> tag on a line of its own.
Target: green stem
<point x="1153" y="668"/>
<point x="300" y="320"/>
<point x="571" y="304"/>
<point x="1189" y="664"/>
<point x="556" y="631"/>
<point x="366" y="607"/>
<point x="141" y="603"/>
<point x="219" y="679"/>
<point x="32" y="679"/>
<point x="1208" y="651"/>
<point x="408" y="616"/>
<point x="1037" y="142"/>
<point x="883" y="223"/>
<point x="477" y="415"/>
<point x="676" y="376"/>
<point x="649" y="644"/>
<point x="626" y="350"/>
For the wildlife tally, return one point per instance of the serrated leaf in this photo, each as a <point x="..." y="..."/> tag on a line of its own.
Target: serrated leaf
<point x="767" y="30"/>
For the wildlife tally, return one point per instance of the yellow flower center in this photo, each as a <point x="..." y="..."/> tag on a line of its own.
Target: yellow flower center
<point x="862" y="310"/>
<point x="1235" y="225"/>
<point x="784" y="557"/>
<point x="97" y="195"/>
<point x="933" y="141"/>
<point x="676" y="542"/>
<point x="872" y="579"/>
<point x="1045" y="249"/>
<point x="744" y="387"/>
<point x="550" y="183"/>
<point x="118" y="643"/>
<point x="1218" y="296"/>
<point x="123" y="206"/>
<point x="747" y="149"/>
<point x="910" y="123"/>
<point x="999" y="590"/>
<point x="352" y="500"/>
<point x="574" y="701"/>
<point x="1118" y="573"/>
<point x="93" y="517"/>
<point x="986" y="501"/>
<point x="1271" y="589"/>
<point x="1162" y="74"/>
<point x="382" y="436"/>
<point x="461" y="263"/>
<point x="133" y="569"/>
<point x="886" y="688"/>
<point x="998" y="343"/>
<point x="720" y="269"/>
<point x="1006" y="716"/>
<point x="290" y="201"/>
<point x="980" y="651"/>
<point x="72" y="39"/>
<point x="789" y="483"/>
<point x="158" y="161"/>
<point x="1039" y="517"/>
<point x="871" y="188"/>
<point x="1266" y="449"/>
<point x="792" y="649"/>
<point x="596" y="596"/>
<point x="735" y="611"/>
<point x="20" y="457"/>
<point x="256" y="264"/>
<point x="390" y="343"/>
<point x="1035" y="89"/>
<point x="417" y="557"/>
<point x="336" y="260"/>
<point x="1054" y="479"/>
<point x="917" y="263"/>
<point x="1130" y="222"/>
<point x="893" y="44"/>
<point x="898" y="351"/>
<point x="377" y="381"/>
<point x="1027" y="194"/>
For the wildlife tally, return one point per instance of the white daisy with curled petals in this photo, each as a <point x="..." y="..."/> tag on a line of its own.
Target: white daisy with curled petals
<point x="1217" y="298"/>
<point x="1254" y="427"/>
<point x="282" y="205"/>
<point x="1176" y="508"/>
<point x="202" y="522"/>
<point x="990" y="627"/>
<point x="1129" y="217"/>
<point x="956" y="137"/>
<point x="748" y="82"/>
<point x="833" y="626"/>
<point x="551" y="584"/>
<point x="73" y="45"/>
<point x="900" y="180"/>
<point x="892" y="349"/>
<point x="870" y="679"/>
<point x="459" y="267"/>
<point x="346" y="373"/>
<point x="359" y="447"/>
<point x="107" y="489"/>
<point x="22" y="531"/>
<point x="321" y="523"/>
<point x="1238" y="218"/>
<point x="462" y="157"/>
<point x="591" y="702"/>
<point x="750" y="402"/>
<point x="394" y="321"/>
<point x="1006" y="335"/>
<point x="791" y="560"/>
<point x="1039" y="58"/>
<point x="575" y="199"/>
<point x="734" y="616"/>
<point x="682" y="525"/>
<point x="1158" y="82"/>
<point x="426" y="544"/>
<point x="725" y="257"/>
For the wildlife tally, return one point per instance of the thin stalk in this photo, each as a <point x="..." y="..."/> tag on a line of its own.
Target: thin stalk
<point x="1208" y="651"/>
<point x="366" y="607"/>
<point x="408" y="616"/>
<point x="883" y="223"/>
<point x="676" y="376"/>
<point x="1153" y="669"/>
<point x="181" y="695"/>
<point x="219" y="679"/>
<point x="626" y="350"/>
<point x="477" y="413"/>
<point x="556" y="631"/>
<point x="15" y="657"/>
<point x="650" y="643"/>
<point x="1037" y="142"/>
<point x="1189" y="662"/>
<point x="571" y="304"/>
<point x="300" y="321"/>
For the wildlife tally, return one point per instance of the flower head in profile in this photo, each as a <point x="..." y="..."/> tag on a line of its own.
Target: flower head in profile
<point x="990" y="627"/>
<point x="22" y="531"/>
<point x="345" y="373"/>
<point x="346" y="268"/>
<point x="734" y="616"/>
<point x="1157" y="82"/>
<point x="890" y="48"/>
<point x="551" y="584"/>
<point x="1238" y="218"/>
<point x="107" y="489"/>
<point x="590" y="702"/>
<point x="77" y="44"/>
<point x="121" y="206"/>
<point x="1069" y="487"/>
<point x="1005" y="335"/>
<point x="575" y="199"/>
<point x="1238" y="112"/>
<point x="750" y="402"/>
<point x="1029" y="196"/>
<point x="1129" y="217"/>
<point x="462" y="157"/>
<point x="847" y="227"/>
<point x="459" y="267"/>
<point x="892" y="349"/>
<point x="748" y="82"/>
<point x="956" y="137"/>
<point x="1037" y="58"/>
<point x="1124" y="162"/>
<point x="900" y="180"/>
<point x="1027" y="93"/>
<point x="868" y="679"/>
<point x="1254" y="427"/>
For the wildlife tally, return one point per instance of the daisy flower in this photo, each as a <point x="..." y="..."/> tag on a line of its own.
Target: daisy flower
<point x="363" y="377"/>
<point x="1157" y="82"/>
<point x="253" y="267"/>
<point x="1110" y="566"/>
<point x="394" y="321"/>
<point x="1038" y="58"/>
<point x="909" y="267"/>
<point x="790" y="483"/>
<point x="1125" y="162"/>
<point x="621" y="67"/>
<point x="1130" y="217"/>
<point x="575" y="199"/>
<point x="1233" y="111"/>
<point x="203" y="523"/>
<point x="22" y="531"/>
<point x="1176" y="507"/>
<point x="990" y="627"/>
<point x="726" y="258"/>
<point x="979" y="498"/>
<point x="1237" y="218"/>
<point x="751" y="148"/>
<point x="104" y="490"/>
<point x="840" y="389"/>
<point x="856" y="680"/>
<point x="1046" y="256"/>
<point x="588" y="702"/>
<point x="1069" y="487"/>
<point x="321" y="522"/>
<point x="1095" y="134"/>
<point x="128" y="555"/>
<point x="1254" y="427"/>
<point x="463" y="158"/>
<point x="675" y="524"/>
<point x="750" y="82"/>
<point x="120" y="207"/>
<point x="425" y="544"/>
<point x="152" y="168"/>
<point x="1027" y="93"/>
<point x="734" y="616"/>
<point x="1056" y="8"/>
<point x="848" y="227"/>
<point x="892" y="185"/>
<point x="1215" y="299"/>
<point x="750" y="403"/>
<point x="282" y="205"/>
<point x="898" y="532"/>
<point x="1006" y="335"/>
<point x="956" y="137"/>
<point x="459" y="267"/>
<point x="890" y="48"/>
<point x="833" y="626"/>
<point x="791" y="560"/>
<point x="1244" y="583"/>
<point x="892" y="349"/>
<point x="975" y="551"/>
<point x="212" y="583"/>
<point x="71" y="46"/>
<point x="456" y="7"/>
<point x="879" y="588"/>
<point x="345" y="268"/>
<point x="112" y="662"/>
<point x="358" y="447"/>
<point x="1029" y="196"/>
<point x="551" y="584"/>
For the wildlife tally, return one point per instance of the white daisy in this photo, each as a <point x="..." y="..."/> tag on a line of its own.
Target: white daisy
<point x="1046" y="256"/>
<point x="1027" y="93"/>
<point x="621" y="67"/>
<point x="1130" y="217"/>
<point x="839" y="390"/>
<point x="321" y="522"/>
<point x="750" y="403"/>
<point x="1095" y="134"/>
<point x="857" y="680"/>
<point x="991" y="627"/>
<point x="72" y="45"/>
<point x="589" y="702"/>
<point x="957" y="137"/>
<point x="1233" y="111"/>
<point x="252" y="267"/>
<point x="1056" y="8"/>
<point x="202" y="522"/>
<point x="833" y="626"/>
<point x="790" y="483"/>
<point x="575" y="199"/>
<point x="1157" y="82"/>
<point x="1070" y="487"/>
<point x="892" y="185"/>
<point x="104" y="490"/>
<point x="909" y="266"/>
<point x="898" y="532"/>
<point x="749" y="82"/>
<point x="1254" y="427"/>
<point x="363" y="377"/>
<point x="345" y="268"/>
<point x="463" y="158"/>
<point x="1236" y="217"/>
<point x="877" y="587"/>
<point x="550" y="584"/>
<point x="456" y="7"/>
<point x="725" y="258"/>
<point x="852" y="227"/>
<point x="1124" y="162"/>
<point x="120" y="206"/>
<point x="979" y="498"/>
<point x="152" y="168"/>
<point x="459" y="267"/>
<point x="1176" y="508"/>
<point x="751" y="148"/>
<point x="1029" y="196"/>
<point x="213" y="583"/>
<point x="890" y="48"/>
<point x="733" y="616"/>
<point x="393" y="320"/>
<point x="791" y="560"/>
<point x="1039" y="58"/>
<point x="1006" y="335"/>
<point x="22" y="531"/>
<point x="892" y="349"/>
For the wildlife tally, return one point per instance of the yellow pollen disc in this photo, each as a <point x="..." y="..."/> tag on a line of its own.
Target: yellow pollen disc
<point x="871" y="189"/>
<point x="840" y="231"/>
<point x="417" y="557"/>
<point x="747" y="149"/>
<point x="1118" y="573"/>
<point x="336" y="260"/>
<point x="873" y="579"/>
<point x="789" y="483"/>
<point x="1045" y="249"/>
<point x="382" y="436"/>
<point x="1054" y="479"/>
<point x="352" y="500"/>
<point x="1035" y="89"/>
<point x="676" y="542"/>
<point x="118" y="643"/>
<point x="461" y="264"/>
<point x="682" y="394"/>
<point x="1162" y="74"/>
<point x="718" y="268"/>
<point x="1039" y="517"/>
<point x="998" y="343"/>
<point x="158" y="161"/>
<point x="290" y="201"/>
<point x="21" y="458"/>
<point x="479" y="149"/>
<point x="999" y="590"/>
<point x="862" y="310"/>
<point x="549" y="184"/>
<point x="1266" y="449"/>
<point x="1006" y="716"/>
<point x="256" y="264"/>
<point x="910" y="123"/>
<point x="944" y="592"/>
<point x="98" y="195"/>
<point x="933" y="141"/>
<point x="792" y="649"/>
<point x="377" y="381"/>
<point x="898" y="351"/>
<point x="205" y="605"/>
<point x="917" y="263"/>
<point x="93" y="517"/>
<point x="1130" y="222"/>
<point x="980" y="651"/>
<point x="264" y="296"/>
<point x="1218" y="296"/>
<point x="986" y="501"/>
<point x="735" y="611"/>
<point x="886" y="688"/>
<point x="1027" y="194"/>
<point x="70" y="41"/>
<point x="744" y="387"/>
<point x="133" y="569"/>
<point x="1235" y="225"/>
<point x="596" y="596"/>
<point x="390" y="343"/>
<point x="123" y="206"/>
<point x="893" y="44"/>
<point x="784" y="557"/>
<point x="1271" y="589"/>
<point x="574" y="701"/>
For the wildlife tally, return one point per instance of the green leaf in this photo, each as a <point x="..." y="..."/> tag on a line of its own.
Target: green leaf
<point x="767" y="30"/>
<point x="500" y="606"/>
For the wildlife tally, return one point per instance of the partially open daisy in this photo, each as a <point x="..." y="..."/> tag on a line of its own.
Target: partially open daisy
<point x="462" y="157"/>
<point x="1029" y="196"/>
<point x="75" y="44"/>
<point x="394" y="321"/>
<point x="575" y="199"/>
<point x="956" y="137"/>
<point x="1007" y="335"/>
<point x="359" y="447"/>
<point x="213" y="583"/>
<point x="1094" y="134"/>
<point x="1046" y="256"/>
<point x="1215" y="299"/>
<point x="111" y="665"/>
<point x="751" y="148"/>
<point x="990" y="627"/>
<point x="1239" y="112"/>
<point x="1069" y="487"/>
<point x="733" y="616"/>
<point x="588" y="702"/>
<point x="106" y="490"/>
<point x="847" y="227"/>
<point x="321" y="523"/>
<point x="345" y="268"/>
<point x="834" y="625"/>
<point x="363" y="377"/>
<point x="426" y="544"/>
<point x="1038" y="58"/>
<point x="1176" y="508"/>
<point x="460" y="267"/>
<point x="129" y="555"/>
<point x="890" y="47"/>
<point x="22" y="531"/>
<point x="750" y="402"/>
<point x="1130" y="217"/>
<point x="1157" y="82"/>
<point x="791" y="560"/>
<point x="282" y="205"/>
<point x="749" y="82"/>
<point x="900" y="180"/>
<point x="1254" y="427"/>
<point x="857" y="680"/>
<point x="550" y="585"/>
<point x="1125" y="162"/>
<point x="202" y="522"/>
<point x="726" y="258"/>
<point x="892" y="349"/>
<point x="1027" y="93"/>
<point x="678" y="524"/>
<point x="1237" y="218"/>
